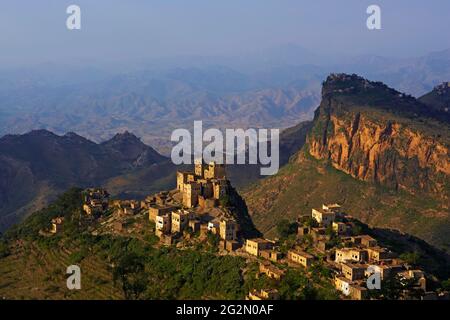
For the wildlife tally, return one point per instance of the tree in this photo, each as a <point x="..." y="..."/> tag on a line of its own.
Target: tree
<point x="285" y="228"/>
<point x="391" y="289"/>
<point x="411" y="257"/>
<point x="310" y="222"/>
<point x="130" y="271"/>
<point x="4" y="249"/>
<point x="446" y="284"/>
<point x="225" y="201"/>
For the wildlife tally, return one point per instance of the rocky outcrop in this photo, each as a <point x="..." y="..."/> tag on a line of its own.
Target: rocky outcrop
<point x="372" y="132"/>
<point x="381" y="154"/>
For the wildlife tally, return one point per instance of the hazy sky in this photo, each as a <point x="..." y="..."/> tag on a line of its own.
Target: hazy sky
<point x="35" y="31"/>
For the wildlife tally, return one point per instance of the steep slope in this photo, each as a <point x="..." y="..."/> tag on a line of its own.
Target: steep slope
<point x="377" y="134"/>
<point x="382" y="154"/>
<point x="34" y="167"/>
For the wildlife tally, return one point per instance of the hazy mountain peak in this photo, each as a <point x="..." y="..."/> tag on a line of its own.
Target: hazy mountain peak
<point x="439" y="98"/>
<point x="40" y="132"/>
<point x="125" y="136"/>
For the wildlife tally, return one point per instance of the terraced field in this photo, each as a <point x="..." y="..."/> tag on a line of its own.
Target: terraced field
<point x="35" y="272"/>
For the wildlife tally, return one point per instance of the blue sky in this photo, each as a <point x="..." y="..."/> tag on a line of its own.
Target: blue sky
<point x="34" y="31"/>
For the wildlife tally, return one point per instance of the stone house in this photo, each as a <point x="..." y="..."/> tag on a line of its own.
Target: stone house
<point x="159" y="210"/>
<point x="300" y="257"/>
<point x="353" y="271"/>
<point x="271" y="255"/>
<point x="228" y="229"/>
<point x="351" y="254"/>
<point x="254" y="246"/>
<point x="364" y="240"/>
<point x="339" y="227"/>
<point x="191" y="192"/>
<point x="163" y="223"/>
<point x="271" y="271"/>
<point x="57" y="225"/>
<point x="180" y="220"/>
<point x="263" y="294"/>
<point x="377" y="254"/>
<point x="323" y="217"/>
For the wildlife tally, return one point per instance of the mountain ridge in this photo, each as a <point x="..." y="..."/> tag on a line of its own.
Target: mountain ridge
<point x="36" y="166"/>
<point x="389" y="167"/>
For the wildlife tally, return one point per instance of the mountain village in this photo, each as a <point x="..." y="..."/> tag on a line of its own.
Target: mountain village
<point x="198" y="208"/>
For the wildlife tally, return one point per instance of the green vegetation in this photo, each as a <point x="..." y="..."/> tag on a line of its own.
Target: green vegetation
<point x="133" y="268"/>
<point x="393" y="288"/>
<point x="412" y="258"/>
<point x="64" y="206"/>
<point x="4" y="249"/>
<point x="446" y="284"/>
<point x="225" y="201"/>
<point x="286" y="228"/>
<point x="295" y="285"/>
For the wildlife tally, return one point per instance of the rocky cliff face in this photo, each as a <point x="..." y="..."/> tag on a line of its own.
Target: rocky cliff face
<point x="381" y="154"/>
<point x="377" y="134"/>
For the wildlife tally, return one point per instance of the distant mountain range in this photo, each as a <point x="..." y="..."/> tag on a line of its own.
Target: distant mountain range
<point x="37" y="166"/>
<point x="279" y="88"/>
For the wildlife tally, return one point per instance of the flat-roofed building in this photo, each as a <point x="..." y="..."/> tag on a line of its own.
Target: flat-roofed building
<point x="57" y="225"/>
<point x="180" y="220"/>
<point x="353" y="271"/>
<point x="358" y="292"/>
<point x="417" y="276"/>
<point x="271" y="255"/>
<point x="350" y="289"/>
<point x="364" y="240"/>
<point x="384" y="270"/>
<point x="206" y="188"/>
<point x="232" y="245"/>
<point x="333" y="207"/>
<point x="300" y="257"/>
<point x="301" y="231"/>
<point x="378" y="253"/>
<point x="159" y="210"/>
<point x="228" y="229"/>
<point x="351" y="254"/>
<point x="323" y="217"/>
<point x="191" y="192"/>
<point x="214" y="225"/>
<point x="195" y="224"/>
<point x="339" y="227"/>
<point x="214" y="171"/>
<point x="183" y="177"/>
<point x="206" y="203"/>
<point x="220" y="188"/>
<point x="254" y="246"/>
<point x="163" y="223"/>
<point x="271" y="271"/>
<point x="342" y="284"/>
<point x="263" y="294"/>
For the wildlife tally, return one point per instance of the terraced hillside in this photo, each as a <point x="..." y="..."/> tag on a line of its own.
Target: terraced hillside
<point x="33" y="271"/>
<point x="131" y="263"/>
